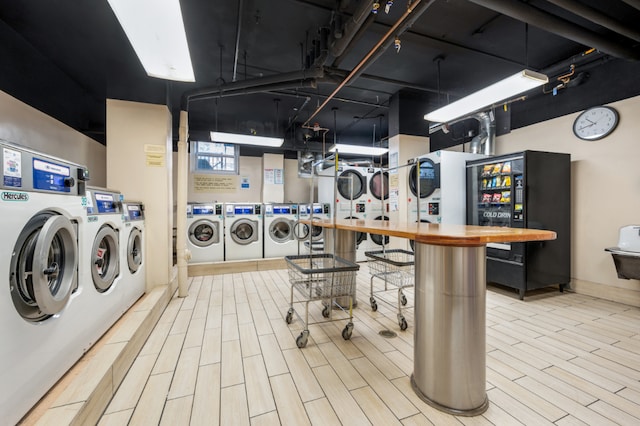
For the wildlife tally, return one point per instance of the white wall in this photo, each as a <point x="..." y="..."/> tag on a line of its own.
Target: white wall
<point x="26" y="126"/>
<point x="605" y="187"/>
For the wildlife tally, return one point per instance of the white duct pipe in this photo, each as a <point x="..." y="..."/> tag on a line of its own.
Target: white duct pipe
<point x="183" y="254"/>
<point x="484" y="142"/>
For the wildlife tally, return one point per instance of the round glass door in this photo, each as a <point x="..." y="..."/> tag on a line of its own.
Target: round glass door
<point x="429" y="178"/>
<point x="379" y="185"/>
<point x="378" y="239"/>
<point x="105" y="258"/>
<point x="300" y="231"/>
<point x="134" y="250"/>
<point x="280" y="230"/>
<point x="244" y="231"/>
<point x="203" y="233"/>
<point x="351" y="184"/>
<point x="43" y="266"/>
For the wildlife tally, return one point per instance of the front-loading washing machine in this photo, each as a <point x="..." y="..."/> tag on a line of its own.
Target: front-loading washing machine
<point x="311" y="238"/>
<point x="132" y="252"/>
<point x="104" y="226"/>
<point x="377" y="205"/>
<point x="279" y="224"/>
<point x="437" y="184"/>
<point x="44" y="311"/>
<point x="205" y="232"/>
<point x="243" y="231"/>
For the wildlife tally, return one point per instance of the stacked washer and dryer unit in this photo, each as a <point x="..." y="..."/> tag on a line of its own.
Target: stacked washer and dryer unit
<point x="377" y="207"/>
<point x="437" y="188"/>
<point x="205" y="228"/>
<point x="46" y="310"/>
<point x="351" y="198"/>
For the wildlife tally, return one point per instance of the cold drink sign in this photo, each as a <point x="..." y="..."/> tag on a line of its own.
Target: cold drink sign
<point x="497" y="214"/>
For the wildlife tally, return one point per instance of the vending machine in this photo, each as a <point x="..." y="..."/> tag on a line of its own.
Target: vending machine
<point x="528" y="189"/>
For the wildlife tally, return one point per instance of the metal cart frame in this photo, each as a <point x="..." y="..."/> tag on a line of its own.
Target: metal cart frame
<point x="321" y="277"/>
<point x="395" y="267"/>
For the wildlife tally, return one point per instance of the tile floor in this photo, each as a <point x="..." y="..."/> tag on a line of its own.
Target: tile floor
<point x="224" y="355"/>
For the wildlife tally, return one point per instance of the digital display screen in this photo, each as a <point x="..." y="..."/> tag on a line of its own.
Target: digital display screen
<point x="317" y="209"/>
<point x="243" y="210"/>
<point x="50" y="176"/>
<point x="105" y="203"/>
<point x="134" y="212"/>
<point x="202" y="209"/>
<point x="282" y="210"/>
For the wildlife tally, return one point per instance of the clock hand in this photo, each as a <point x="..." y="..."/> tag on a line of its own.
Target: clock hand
<point x="588" y="125"/>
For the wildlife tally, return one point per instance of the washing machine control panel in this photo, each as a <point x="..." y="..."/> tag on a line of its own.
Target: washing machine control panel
<point x="242" y="209"/>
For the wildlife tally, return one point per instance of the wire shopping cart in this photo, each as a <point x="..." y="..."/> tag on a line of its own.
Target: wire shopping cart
<point x="395" y="267"/>
<point x="321" y="277"/>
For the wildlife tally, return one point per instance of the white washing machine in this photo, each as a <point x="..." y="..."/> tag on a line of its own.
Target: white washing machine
<point x="243" y="231"/>
<point x="44" y="311"/>
<point x="103" y="231"/>
<point x="279" y="223"/>
<point x="132" y="252"/>
<point x="321" y="211"/>
<point x="205" y="232"/>
<point x="441" y="188"/>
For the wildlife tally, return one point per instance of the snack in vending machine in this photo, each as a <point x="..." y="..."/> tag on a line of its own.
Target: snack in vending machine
<point x="506" y="168"/>
<point x="506" y="182"/>
<point x="484" y="183"/>
<point x="496" y="169"/>
<point x="506" y="197"/>
<point x="496" y="197"/>
<point x="486" y="170"/>
<point x="486" y="197"/>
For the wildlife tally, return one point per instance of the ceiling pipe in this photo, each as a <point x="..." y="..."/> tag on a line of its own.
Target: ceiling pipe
<point x="238" y="27"/>
<point x="364" y="60"/>
<point x="285" y="85"/>
<point x="358" y="35"/>
<point x="558" y="26"/>
<point x="418" y="11"/>
<point x="633" y="3"/>
<point x="351" y="27"/>
<point x="597" y="17"/>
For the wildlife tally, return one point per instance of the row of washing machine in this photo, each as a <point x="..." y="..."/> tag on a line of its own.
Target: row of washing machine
<point x="71" y="263"/>
<point x="243" y="231"/>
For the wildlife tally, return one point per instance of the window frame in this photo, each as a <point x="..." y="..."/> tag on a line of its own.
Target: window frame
<point x="196" y="155"/>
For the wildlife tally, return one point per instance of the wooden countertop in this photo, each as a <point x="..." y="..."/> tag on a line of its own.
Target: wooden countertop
<point x="438" y="234"/>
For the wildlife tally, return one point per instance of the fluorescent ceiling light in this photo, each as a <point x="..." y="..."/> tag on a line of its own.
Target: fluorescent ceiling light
<point x="156" y="32"/>
<point x="358" y="149"/>
<point x="503" y="89"/>
<point x="246" y="139"/>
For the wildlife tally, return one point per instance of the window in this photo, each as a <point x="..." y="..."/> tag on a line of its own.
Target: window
<point x="214" y="157"/>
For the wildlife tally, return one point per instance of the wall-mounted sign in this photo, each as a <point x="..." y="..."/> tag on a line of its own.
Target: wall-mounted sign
<point x="220" y="184"/>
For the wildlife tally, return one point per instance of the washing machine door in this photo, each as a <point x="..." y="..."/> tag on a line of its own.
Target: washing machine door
<point x="44" y="266"/>
<point x="379" y="185"/>
<point x="244" y="231"/>
<point x="300" y="231"/>
<point x="351" y="184"/>
<point x="204" y="232"/>
<point x="378" y="239"/>
<point x="429" y="173"/>
<point x="105" y="258"/>
<point x="134" y="250"/>
<point x="281" y="230"/>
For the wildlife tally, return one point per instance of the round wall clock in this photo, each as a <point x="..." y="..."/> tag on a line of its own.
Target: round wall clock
<point x="595" y="123"/>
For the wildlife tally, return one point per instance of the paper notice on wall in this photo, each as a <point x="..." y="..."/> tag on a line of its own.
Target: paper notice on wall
<point x="279" y="176"/>
<point x="12" y="168"/>
<point x="394" y="180"/>
<point x="269" y="176"/>
<point x="244" y="182"/>
<point x="154" y="160"/>
<point x="393" y="200"/>
<point x="219" y="184"/>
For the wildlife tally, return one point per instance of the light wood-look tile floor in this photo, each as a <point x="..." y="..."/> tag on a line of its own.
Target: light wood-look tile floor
<point x="225" y="355"/>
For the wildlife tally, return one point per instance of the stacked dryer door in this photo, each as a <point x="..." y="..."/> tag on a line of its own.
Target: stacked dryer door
<point x="103" y="232"/>
<point x="132" y="252"/>
<point x="437" y="188"/>
<point x="378" y="205"/>
<point x="243" y="231"/>
<point x="44" y="315"/>
<point x="205" y="232"/>
<point x="279" y="224"/>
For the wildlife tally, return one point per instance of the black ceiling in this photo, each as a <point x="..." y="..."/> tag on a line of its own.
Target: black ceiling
<point x="264" y="66"/>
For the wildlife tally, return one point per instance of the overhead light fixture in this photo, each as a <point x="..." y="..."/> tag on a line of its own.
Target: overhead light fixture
<point x="503" y="89"/>
<point x="156" y="32"/>
<point x="358" y="149"/>
<point x="246" y="139"/>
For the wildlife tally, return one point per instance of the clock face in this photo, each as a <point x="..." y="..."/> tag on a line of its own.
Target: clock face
<point x="595" y="123"/>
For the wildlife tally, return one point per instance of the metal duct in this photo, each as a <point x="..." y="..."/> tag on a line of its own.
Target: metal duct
<point x="485" y="141"/>
<point x="599" y="18"/>
<point x="633" y="3"/>
<point x="296" y="84"/>
<point x="525" y="13"/>
<point x="351" y="27"/>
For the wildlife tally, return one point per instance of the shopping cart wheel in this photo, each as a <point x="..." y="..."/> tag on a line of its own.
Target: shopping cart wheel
<point x="326" y="311"/>
<point x="346" y="333"/>
<point x="402" y="323"/>
<point x="301" y="341"/>
<point x="403" y="300"/>
<point x="289" y="317"/>
<point x="374" y="305"/>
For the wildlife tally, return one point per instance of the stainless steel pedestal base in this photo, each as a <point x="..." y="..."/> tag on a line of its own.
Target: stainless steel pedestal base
<point x="449" y="369"/>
